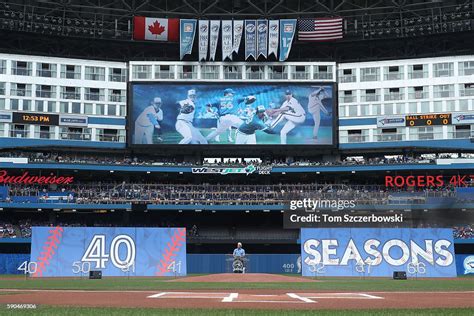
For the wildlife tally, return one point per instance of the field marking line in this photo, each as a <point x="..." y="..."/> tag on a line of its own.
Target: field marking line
<point x="230" y="298"/>
<point x="284" y="302"/>
<point x="263" y="295"/>
<point x="371" y="296"/>
<point x="301" y="298"/>
<point x="157" y="295"/>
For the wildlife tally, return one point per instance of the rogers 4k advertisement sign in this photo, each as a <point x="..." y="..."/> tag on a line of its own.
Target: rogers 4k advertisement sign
<point x="377" y="252"/>
<point x="116" y="251"/>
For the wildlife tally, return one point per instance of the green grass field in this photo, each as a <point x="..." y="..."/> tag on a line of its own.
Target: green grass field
<point x="48" y="310"/>
<point x="328" y="284"/>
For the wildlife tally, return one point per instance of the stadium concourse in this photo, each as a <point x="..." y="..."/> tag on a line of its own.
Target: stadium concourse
<point x="192" y="157"/>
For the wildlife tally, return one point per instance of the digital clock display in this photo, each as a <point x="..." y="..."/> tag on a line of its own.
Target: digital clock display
<point x="35" y="118"/>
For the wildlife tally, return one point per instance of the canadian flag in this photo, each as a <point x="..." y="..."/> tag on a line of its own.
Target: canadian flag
<point x="155" y="29"/>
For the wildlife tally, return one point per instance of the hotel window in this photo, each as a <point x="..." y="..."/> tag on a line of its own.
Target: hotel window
<point x="393" y="73"/>
<point x="46" y="70"/>
<point x="443" y="91"/>
<point x="300" y="72"/>
<point x="437" y="106"/>
<point x="2" y="104"/>
<point x="388" y="107"/>
<point x="347" y="96"/>
<point x="21" y="68"/>
<point x="14" y="104"/>
<point x="2" y="88"/>
<point x="63" y="107"/>
<point x="88" y="108"/>
<point x="187" y="72"/>
<point x="412" y="107"/>
<point x="40" y="106"/>
<point x="100" y="109"/>
<point x="210" y="72"/>
<point x="71" y="93"/>
<point x="76" y="108"/>
<point x="71" y="71"/>
<point x="232" y="72"/>
<point x="254" y="72"/>
<point x="418" y="92"/>
<point x="27" y="105"/>
<point x="52" y="106"/>
<point x="141" y="71"/>
<point x="463" y="131"/>
<point x="450" y="105"/>
<point x="399" y="108"/>
<point x="164" y="72"/>
<point x="3" y="66"/>
<point x="364" y="109"/>
<point x="322" y="72"/>
<point x="443" y="69"/>
<point x="370" y="74"/>
<point x="95" y="73"/>
<point x="389" y="135"/>
<point x="43" y="132"/>
<point x="111" y="110"/>
<point x="117" y="95"/>
<point x="394" y="94"/>
<point x="277" y="72"/>
<point x="466" y="68"/>
<point x="20" y="131"/>
<point x="44" y="91"/>
<point x="370" y="95"/>
<point x="94" y="94"/>
<point x="352" y="110"/>
<point x="425" y="107"/>
<point x="123" y="110"/>
<point x="347" y="75"/>
<point x="466" y="89"/>
<point x="417" y="71"/>
<point x="464" y="105"/>
<point x="117" y="74"/>
<point x="20" y="89"/>
<point x="376" y="109"/>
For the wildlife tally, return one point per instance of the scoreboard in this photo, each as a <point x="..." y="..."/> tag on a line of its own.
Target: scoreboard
<point x="428" y="119"/>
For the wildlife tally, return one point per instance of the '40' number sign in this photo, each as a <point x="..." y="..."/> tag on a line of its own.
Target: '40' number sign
<point x="96" y="252"/>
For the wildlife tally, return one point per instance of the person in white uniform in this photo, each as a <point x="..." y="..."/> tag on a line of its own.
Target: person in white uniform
<point x="184" y="121"/>
<point x="147" y="122"/>
<point x="315" y="106"/>
<point x="290" y="111"/>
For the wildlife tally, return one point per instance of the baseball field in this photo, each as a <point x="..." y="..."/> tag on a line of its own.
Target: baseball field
<point x="230" y="294"/>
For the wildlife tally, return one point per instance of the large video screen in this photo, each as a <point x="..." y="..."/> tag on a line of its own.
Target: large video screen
<point x="231" y="113"/>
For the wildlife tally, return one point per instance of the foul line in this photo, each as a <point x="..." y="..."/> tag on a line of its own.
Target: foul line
<point x="304" y="299"/>
<point x="157" y="295"/>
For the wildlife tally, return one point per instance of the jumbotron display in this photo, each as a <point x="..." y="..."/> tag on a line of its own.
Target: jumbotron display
<point x="232" y="113"/>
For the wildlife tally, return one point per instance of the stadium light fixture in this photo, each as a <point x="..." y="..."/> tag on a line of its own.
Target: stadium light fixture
<point x="111" y="171"/>
<point x="198" y="211"/>
<point x="213" y="211"/>
<point x="56" y="209"/>
<point x="112" y="210"/>
<point x="317" y="172"/>
<point x="74" y="210"/>
<point x="353" y="171"/>
<point x="247" y="211"/>
<point x="39" y="210"/>
<point x="180" y="172"/>
<point x="283" y="172"/>
<point x="148" y="172"/>
<point x="180" y="211"/>
<point x="266" y="211"/>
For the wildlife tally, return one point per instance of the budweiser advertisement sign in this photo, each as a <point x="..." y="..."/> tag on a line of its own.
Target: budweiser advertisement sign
<point x="26" y="178"/>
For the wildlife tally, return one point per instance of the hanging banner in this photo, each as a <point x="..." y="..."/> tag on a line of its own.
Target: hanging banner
<point x="262" y="38"/>
<point x="187" y="31"/>
<point x="273" y="36"/>
<point x="213" y="38"/>
<point x="237" y="35"/>
<point x="287" y="33"/>
<point x="203" y="39"/>
<point x="250" y="39"/>
<point x="226" y="39"/>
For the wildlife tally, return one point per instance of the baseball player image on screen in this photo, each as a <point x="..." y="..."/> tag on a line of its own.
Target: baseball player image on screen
<point x="184" y="121"/>
<point x="228" y="110"/>
<point x="290" y="111"/>
<point x="315" y="106"/>
<point x="246" y="131"/>
<point x="147" y="122"/>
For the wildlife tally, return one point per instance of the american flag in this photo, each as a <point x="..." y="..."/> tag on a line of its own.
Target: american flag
<point x="322" y="29"/>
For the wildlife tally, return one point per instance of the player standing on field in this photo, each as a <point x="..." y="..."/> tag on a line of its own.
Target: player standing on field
<point x="315" y="106"/>
<point x="291" y="111"/>
<point x="184" y="121"/>
<point x="147" y="122"/>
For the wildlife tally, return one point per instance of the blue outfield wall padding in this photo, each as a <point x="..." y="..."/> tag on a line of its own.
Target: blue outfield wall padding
<point x="10" y="262"/>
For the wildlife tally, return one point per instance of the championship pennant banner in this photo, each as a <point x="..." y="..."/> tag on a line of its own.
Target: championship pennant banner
<point x="262" y="38"/>
<point x="119" y="251"/>
<point x="377" y="252"/>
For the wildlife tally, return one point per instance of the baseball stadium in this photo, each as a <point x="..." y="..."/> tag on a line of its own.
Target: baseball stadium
<point x="241" y="157"/>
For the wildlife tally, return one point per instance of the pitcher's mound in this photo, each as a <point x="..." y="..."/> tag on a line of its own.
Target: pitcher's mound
<point x="247" y="277"/>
